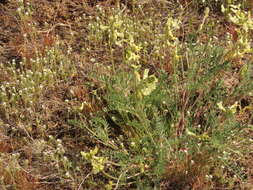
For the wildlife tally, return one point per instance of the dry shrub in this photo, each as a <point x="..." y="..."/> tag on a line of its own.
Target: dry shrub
<point x="17" y="178"/>
<point x="190" y="172"/>
<point x="5" y="147"/>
